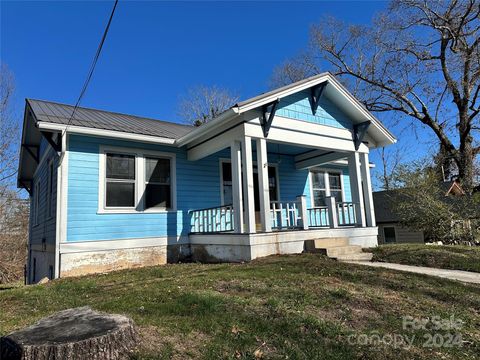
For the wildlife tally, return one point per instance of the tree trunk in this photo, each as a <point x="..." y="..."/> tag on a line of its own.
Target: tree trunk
<point x="465" y="167"/>
<point x="79" y="333"/>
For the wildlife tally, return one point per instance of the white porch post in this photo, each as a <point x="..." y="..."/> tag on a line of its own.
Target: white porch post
<point x="332" y="212"/>
<point x="247" y="166"/>
<point x="263" y="186"/>
<point x="367" y="190"/>
<point x="236" y="158"/>
<point x="356" y="187"/>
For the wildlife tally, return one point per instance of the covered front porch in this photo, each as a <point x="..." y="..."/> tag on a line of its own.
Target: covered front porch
<point x="279" y="196"/>
<point x="298" y="170"/>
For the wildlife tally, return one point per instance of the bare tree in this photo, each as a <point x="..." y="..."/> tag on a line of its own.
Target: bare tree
<point x="391" y="160"/>
<point x="421" y="60"/>
<point x="202" y="104"/>
<point x="13" y="210"/>
<point x="9" y="131"/>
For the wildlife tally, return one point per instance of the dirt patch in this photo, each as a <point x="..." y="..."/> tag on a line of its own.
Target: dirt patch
<point x="175" y="347"/>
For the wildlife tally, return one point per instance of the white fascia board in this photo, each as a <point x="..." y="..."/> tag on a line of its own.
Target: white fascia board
<point x="359" y="107"/>
<point x="210" y="126"/>
<point x="284" y="93"/>
<point x="105" y="133"/>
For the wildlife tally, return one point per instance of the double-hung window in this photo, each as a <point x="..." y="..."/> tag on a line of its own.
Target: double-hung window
<point x="326" y="183"/>
<point x="120" y="181"/>
<point x="157" y="183"/>
<point x="134" y="180"/>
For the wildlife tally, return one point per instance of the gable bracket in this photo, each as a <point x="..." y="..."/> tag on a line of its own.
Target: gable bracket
<point x="359" y="131"/>
<point x="315" y="96"/>
<point x="267" y="123"/>
<point x="33" y="153"/>
<point x="24" y="185"/>
<point x="56" y="145"/>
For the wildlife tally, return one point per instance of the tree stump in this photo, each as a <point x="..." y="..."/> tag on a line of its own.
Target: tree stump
<point x="79" y="333"/>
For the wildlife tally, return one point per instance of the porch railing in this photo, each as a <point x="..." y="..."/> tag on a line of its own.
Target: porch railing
<point x="285" y="215"/>
<point x="318" y="217"/>
<point x="346" y="213"/>
<point x="212" y="220"/>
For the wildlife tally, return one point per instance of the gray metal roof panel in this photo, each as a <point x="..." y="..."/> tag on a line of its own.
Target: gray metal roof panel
<point x="100" y="119"/>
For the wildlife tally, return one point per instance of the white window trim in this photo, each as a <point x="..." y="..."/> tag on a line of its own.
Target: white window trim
<point x="229" y="161"/>
<point x="140" y="180"/>
<point x="326" y="171"/>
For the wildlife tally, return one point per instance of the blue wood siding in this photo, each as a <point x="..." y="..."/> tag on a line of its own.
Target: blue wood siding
<point x="297" y="106"/>
<point x="46" y="227"/>
<point x="198" y="186"/>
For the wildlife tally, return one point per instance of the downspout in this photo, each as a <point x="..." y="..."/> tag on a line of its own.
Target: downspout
<point x="60" y="231"/>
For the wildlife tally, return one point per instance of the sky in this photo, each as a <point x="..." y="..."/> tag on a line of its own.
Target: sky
<point x="155" y="50"/>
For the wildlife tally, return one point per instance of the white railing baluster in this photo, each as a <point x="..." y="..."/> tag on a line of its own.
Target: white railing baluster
<point x="216" y="219"/>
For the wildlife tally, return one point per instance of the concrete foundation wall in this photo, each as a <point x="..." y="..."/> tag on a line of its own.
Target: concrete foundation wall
<point x="76" y="264"/>
<point x="88" y="257"/>
<point x="246" y="247"/>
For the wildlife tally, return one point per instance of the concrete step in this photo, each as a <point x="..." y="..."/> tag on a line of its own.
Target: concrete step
<point x="355" y="257"/>
<point x="343" y="250"/>
<point x="330" y="242"/>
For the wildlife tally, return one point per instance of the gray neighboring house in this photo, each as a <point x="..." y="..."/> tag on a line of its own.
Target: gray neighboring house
<point x="389" y="228"/>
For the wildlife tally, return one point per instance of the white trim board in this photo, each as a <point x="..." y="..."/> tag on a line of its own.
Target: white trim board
<point x="72" y="129"/>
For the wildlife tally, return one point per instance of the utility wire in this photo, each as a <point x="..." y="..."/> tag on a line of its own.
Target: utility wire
<point x="92" y="68"/>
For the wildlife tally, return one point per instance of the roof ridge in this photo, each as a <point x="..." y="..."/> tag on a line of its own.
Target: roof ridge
<point x="110" y="112"/>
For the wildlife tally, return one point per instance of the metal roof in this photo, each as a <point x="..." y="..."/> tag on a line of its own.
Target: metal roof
<point x="57" y="113"/>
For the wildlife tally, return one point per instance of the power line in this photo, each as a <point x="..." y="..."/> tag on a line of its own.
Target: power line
<point x="92" y="67"/>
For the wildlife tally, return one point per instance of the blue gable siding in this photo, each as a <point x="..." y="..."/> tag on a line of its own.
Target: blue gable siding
<point x="197" y="186"/>
<point x="297" y="106"/>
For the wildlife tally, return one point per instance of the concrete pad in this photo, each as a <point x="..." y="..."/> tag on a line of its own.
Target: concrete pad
<point x="463" y="276"/>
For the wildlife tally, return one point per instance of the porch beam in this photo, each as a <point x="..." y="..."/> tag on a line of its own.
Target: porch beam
<point x="236" y="158"/>
<point x="317" y="159"/>
<point x="315" y="96"/>
<point x="305" y="134"/>
<point x="356" y="187"/>
<point x="214" y="144"/>
<point x="263" y="185"/>
<point x="367" y="190"/>
<point x="247" y="167"/>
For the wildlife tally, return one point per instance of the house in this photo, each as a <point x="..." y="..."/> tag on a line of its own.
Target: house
<point x="389" y="228"/>
<point x="111" y="191"/>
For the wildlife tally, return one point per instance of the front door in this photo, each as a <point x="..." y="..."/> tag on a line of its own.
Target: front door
<point x="227" y="187"/>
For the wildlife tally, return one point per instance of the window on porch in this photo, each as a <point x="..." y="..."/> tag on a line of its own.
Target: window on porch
<point x="326" y="183"/>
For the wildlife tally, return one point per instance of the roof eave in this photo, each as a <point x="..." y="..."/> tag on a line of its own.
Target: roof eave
<point x="209" y="126"/>
<point x="80" y="130"/>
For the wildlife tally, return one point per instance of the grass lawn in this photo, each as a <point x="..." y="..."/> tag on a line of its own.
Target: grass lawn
<point x="454" y="257"/>
<point x="295" y="307"/>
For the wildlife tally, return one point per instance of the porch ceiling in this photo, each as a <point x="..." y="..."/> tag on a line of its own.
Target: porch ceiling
<point x="285" y="149"/>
